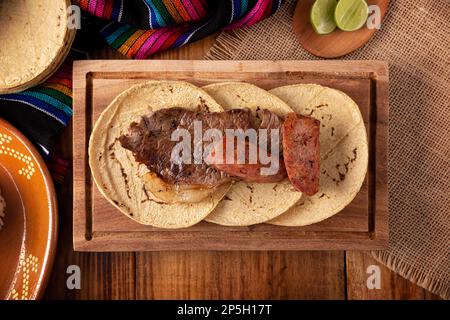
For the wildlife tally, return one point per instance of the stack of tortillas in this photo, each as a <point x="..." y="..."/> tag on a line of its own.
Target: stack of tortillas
<point x="34" y="41"/>
<point x="344" y="156"/>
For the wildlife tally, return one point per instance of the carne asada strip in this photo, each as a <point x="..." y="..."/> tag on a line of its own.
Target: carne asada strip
<point x="251" y="172"/>
<point x="150" y="142"/>
<point x="301" y="151"/>
<point x="248" y="172"/>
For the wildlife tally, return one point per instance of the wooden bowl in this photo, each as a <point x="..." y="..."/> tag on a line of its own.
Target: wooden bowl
<point x="337" y="43"/>
<point x="28" y="238"/>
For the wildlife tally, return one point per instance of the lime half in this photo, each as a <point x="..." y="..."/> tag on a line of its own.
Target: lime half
<point x="351" y="15"/>
<point x="322" y="16"/>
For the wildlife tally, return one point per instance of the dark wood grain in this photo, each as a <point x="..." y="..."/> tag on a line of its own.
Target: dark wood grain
<point x="241" y="275"/>
<point x="393" y="286"/>
<point x="299" y="275"/>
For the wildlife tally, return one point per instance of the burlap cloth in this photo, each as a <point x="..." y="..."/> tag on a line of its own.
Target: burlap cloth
<point x="415" y="40"/>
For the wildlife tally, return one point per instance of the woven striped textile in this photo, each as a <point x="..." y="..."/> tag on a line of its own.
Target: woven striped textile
<point x="42" y="111"/>
<point x="140" y="28"/>
<point x="53" y="98"/>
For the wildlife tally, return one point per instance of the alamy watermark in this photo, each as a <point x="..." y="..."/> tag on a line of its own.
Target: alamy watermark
<point x="74" y="17"/>
<point x="237" y="146"/>
<point x="374" y="19"/>
<point x="374" y="280"/>
<point x="73" y="281"/>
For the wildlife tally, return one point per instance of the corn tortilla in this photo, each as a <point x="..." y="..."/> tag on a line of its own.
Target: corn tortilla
<point x="33" y="43"/>
<point x="116" y="173"/>
<point x="344" y="151"/>
<point x="251" y="203"/>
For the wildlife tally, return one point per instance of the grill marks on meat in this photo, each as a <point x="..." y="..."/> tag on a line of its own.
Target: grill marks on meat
<point x="269" y="120"/>
<point x="302" y="152"/>
<point x="251" y="172"/>
<point x="150" y="142"/>
<point x="248" y="172"/>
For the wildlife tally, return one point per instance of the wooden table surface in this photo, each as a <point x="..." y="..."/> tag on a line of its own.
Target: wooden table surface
<point x="212" y="275"/>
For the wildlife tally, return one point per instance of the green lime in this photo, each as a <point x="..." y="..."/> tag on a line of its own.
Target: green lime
<point x="322" y="16"/>
<point x="351" y="15"/>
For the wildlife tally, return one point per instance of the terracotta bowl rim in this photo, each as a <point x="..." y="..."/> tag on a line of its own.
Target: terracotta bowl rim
<point x="53" y="212"/>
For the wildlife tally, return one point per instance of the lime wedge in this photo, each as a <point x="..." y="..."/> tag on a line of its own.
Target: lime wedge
<point x="351" y="15"/>
<point x="322" y="16"/>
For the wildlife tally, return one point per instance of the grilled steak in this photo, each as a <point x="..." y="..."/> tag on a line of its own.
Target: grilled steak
<point x="247" y="171"/>
<point x="269" y="120"/>
<point x="150" y="142"/>
<point x="302" y="152"/>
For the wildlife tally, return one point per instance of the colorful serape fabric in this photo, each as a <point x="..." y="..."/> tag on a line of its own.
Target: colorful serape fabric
<point x="43" y="111"/>
<point x="140" y="28"/>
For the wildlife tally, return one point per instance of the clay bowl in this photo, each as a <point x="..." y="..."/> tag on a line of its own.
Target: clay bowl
<point x="28" y="238"/>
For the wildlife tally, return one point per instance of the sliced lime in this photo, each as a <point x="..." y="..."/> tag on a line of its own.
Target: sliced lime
<point x="322" y="16"/>
<point x="351" y="15"/>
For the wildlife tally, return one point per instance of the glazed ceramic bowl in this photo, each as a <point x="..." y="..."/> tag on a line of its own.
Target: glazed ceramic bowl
<point x="28" y="237"/>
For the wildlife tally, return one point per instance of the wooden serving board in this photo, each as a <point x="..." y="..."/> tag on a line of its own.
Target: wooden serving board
<point x="363" y="225"/>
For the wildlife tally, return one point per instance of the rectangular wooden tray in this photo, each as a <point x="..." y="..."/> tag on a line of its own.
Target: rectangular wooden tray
<point x="363" y="225"/>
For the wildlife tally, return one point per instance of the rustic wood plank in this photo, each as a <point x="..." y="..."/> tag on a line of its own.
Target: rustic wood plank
<point x="431" y="296"/>
<point x="393" y="286"/>
<point x="240" y="275"/>
<point x="192" y="51"/>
